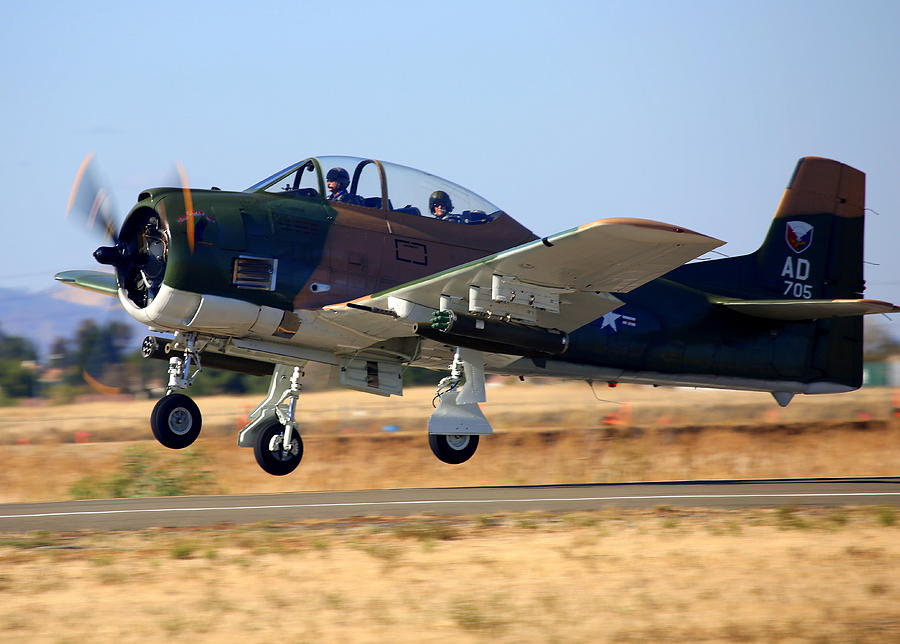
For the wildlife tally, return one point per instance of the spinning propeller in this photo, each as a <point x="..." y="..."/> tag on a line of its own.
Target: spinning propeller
<point x="139" y="243"/>
<point x="90" y="200"/>
<point x="139" y="249"/>
<point x="188" y="205"/>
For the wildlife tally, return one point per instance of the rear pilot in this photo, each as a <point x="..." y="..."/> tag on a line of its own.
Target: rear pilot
<point x="440" y="206"/>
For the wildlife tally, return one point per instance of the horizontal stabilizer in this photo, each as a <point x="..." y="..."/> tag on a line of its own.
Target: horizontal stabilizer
<point x="799" y="310"/>
<point x="96" y="281"/>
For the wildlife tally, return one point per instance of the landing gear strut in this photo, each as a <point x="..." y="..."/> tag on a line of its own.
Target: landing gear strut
<point x="272" y="430"/>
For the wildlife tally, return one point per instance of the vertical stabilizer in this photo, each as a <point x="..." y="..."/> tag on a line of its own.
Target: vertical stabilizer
<point x="814" y="249"/>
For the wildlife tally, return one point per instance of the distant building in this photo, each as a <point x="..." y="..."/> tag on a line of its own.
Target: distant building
<point x="882" y="374"/>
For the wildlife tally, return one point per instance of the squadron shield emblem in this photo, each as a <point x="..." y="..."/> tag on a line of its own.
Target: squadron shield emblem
<point x="798" y="235"/>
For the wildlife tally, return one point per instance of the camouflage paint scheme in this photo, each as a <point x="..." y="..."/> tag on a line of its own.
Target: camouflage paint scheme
<point x="355" y="249"/>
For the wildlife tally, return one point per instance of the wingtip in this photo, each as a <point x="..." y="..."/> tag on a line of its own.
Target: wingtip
<point x="64" y="276"/>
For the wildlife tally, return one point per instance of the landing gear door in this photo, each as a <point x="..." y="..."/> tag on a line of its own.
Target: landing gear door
<point x="381" y="377"/>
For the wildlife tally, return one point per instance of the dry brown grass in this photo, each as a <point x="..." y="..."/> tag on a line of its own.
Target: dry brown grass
<point x="545" y="434"/>
<point x="667" y="575"/>
<point x="614" y="576"/>
<point x="514" y="406"/>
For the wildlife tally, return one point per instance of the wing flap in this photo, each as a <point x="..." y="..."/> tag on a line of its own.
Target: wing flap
<point x="801" y="310"/>
<point x="96" y="281"/>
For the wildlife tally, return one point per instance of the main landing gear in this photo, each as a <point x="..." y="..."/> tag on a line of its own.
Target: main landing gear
<point x="453" y="448"/>
<point x="456" y="424"/>
<point x="272" y="430"/>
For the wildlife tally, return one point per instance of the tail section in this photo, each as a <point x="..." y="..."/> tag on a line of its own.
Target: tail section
<point x="814" y="247"/>
<point x="811" y="256"/>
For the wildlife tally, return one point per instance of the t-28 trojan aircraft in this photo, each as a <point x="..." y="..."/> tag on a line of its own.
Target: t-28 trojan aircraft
<point x="264" y="280"/>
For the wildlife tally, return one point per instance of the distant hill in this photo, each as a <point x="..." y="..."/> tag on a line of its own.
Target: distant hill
<point x="43" y="316"/>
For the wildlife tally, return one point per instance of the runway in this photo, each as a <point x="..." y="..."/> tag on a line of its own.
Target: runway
<point x="133" y="514"/>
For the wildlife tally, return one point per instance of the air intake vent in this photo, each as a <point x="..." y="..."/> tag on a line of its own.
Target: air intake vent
<point x="297" y="225"/>
<point x="256" y="273"/>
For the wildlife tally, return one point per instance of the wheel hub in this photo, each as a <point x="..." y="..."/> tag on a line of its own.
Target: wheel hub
<point x="458" y="441"/>
<point x="180" y="422"/>
<point x="276" y="444"/>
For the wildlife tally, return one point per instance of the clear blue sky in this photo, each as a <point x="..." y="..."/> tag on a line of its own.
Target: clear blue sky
<point x="692" y="113"/>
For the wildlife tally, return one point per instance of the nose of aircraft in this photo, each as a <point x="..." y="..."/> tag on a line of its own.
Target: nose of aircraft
<point x="110" y="255"/>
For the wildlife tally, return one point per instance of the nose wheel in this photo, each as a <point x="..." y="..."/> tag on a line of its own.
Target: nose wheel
<point x="176" y="421"/>
<point x="272" y="454"/>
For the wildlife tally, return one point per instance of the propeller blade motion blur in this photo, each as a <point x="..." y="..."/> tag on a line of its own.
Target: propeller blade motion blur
<point x="90" y="201"/>
<point x="188" y="206"/>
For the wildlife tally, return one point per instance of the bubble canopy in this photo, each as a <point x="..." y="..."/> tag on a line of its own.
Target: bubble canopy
<point x="377" y="184"/>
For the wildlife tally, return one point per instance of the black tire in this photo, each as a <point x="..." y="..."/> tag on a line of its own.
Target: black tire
<point x="453" y="449"/>
<point x="276" y="462"/>
<point x="176" y="421"/>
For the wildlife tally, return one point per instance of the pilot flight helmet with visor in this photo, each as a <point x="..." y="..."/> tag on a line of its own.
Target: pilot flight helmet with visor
<point x="340" y="176"/>
<point x="440" y="198"/>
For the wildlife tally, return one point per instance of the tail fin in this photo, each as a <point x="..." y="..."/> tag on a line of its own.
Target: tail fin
<point x="813" y="251"/>
<point x="814" y="247"/>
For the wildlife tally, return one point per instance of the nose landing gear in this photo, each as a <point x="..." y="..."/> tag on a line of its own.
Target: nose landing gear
<point x="176" y="420"/>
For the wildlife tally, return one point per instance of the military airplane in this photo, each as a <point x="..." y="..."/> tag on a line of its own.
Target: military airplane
<point x="370" y="267"/>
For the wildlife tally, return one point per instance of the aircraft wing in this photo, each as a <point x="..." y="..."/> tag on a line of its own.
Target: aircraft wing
<point x="96" y="281"/>
<point x="562" y="281"/>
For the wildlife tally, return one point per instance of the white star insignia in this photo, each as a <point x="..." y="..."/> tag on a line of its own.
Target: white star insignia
<point x="609" y="320"/>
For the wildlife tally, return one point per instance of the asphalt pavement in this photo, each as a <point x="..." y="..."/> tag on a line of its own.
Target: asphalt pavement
<point x="133" y="514"/>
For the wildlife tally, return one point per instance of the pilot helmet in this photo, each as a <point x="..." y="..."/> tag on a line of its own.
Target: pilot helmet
<point x="340" y="176"/>
<point x="440" y="198"/>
